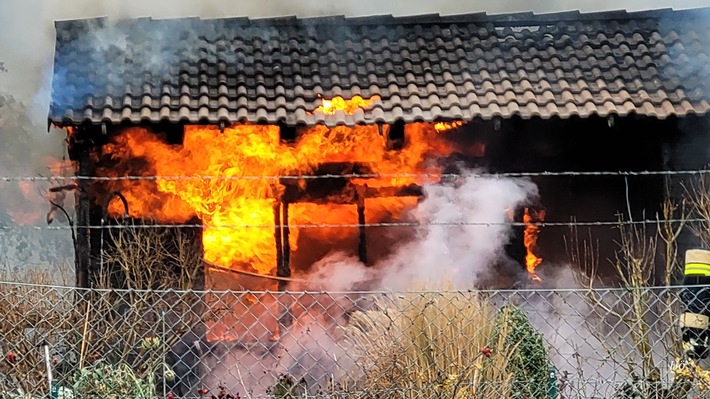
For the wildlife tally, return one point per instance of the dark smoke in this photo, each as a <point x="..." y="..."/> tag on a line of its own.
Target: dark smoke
<point x="28" y="150"/>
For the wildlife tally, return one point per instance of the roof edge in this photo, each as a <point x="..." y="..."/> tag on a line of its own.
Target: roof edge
<point x="521" y="18"/>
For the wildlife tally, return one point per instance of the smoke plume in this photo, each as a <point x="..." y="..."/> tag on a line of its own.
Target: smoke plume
<point x="464" y="226"/>
<point x="463" y="233"/>
<point x="28" y="151"/>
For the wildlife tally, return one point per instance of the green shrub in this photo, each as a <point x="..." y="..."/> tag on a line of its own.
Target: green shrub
<point x="529" y="363"/>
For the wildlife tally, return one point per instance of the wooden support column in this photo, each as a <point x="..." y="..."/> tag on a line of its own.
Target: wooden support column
<point x="81" y="153"/>
<point x="283" y="264"/>
<point x="277" y="236"/>
<point x="362" y="236"/>
<point x="283" y="246"/>
<point x="285" y="270"/>
<point x="395" y="137"/>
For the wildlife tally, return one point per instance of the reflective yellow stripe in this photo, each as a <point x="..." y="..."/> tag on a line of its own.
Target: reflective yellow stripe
<point x="694" y="320"/>
<point x="697" y="268"/>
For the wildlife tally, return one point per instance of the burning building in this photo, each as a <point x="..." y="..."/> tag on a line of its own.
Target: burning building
<point x="262" y="147"/>
<point x="282" y="140"/>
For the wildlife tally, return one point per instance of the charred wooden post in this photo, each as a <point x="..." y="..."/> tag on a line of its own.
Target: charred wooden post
<point x="287" y="133"/>
<point x="80" y="152"/>
<point x="285" y="270"/>
<point x="283" y="246"/>
<point x="362" y="237"/>
<point x="285" y="317"/>
<point x="277" y="236"/>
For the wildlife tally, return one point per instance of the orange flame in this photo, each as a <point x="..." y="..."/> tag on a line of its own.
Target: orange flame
<point x="446" y="126"/>
<point x="242" y="196"/>
<point x="330" y="107"/>
<point x="531" y="233"/>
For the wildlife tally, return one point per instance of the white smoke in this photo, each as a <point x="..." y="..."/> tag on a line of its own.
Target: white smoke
<point x="569" y="323"/>
<point x="29" y="151"/>
<point x="464" y="229"/>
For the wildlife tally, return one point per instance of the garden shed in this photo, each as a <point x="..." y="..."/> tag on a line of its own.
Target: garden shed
<point x="520" y="93"/>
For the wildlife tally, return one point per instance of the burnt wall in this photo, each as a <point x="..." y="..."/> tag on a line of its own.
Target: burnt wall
<point x="582" y="145"/>
<point x="688" y="149"/>
<point x="109" y="247"/>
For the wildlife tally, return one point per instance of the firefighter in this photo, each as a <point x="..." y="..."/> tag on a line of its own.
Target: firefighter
<point x="695" y="295"/>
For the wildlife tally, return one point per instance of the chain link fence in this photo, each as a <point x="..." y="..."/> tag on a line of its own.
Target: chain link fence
<point x="604" y="343"/>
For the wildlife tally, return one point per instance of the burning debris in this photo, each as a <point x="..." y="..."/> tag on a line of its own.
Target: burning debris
<point x="532" y="261"/>
<point x="349" y="106"/>
<point x="446" y="126"/>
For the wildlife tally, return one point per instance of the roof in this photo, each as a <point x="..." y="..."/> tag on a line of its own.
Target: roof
<point x="421" y="68"/>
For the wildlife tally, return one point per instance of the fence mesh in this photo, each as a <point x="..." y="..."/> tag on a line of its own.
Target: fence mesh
<point x="68" y="342"/>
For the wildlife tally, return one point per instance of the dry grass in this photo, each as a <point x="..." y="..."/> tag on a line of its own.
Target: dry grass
<point x="158" y="267"/>
<point x="429" y="346"/>
<point x="697" y="192"/>
<point x="104" y="323"/>
<point x="642" y="319"/>
<point x="143" y="258"/>
<point x="31" y="316"/>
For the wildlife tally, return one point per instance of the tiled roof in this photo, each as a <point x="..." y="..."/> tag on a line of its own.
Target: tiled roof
<point x="422" y="68"/>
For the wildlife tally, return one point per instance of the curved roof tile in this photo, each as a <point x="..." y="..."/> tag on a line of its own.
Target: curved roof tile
<point x="423" y="67"/>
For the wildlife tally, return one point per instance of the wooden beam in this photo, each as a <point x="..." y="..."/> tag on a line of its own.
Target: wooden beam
<point x="81" y="149"/>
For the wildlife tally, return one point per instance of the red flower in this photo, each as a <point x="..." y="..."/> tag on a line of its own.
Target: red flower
<point x="11" y="357"/>
<point x="170" y="395"/>
<point x="203" y="391"/>
<point x="486" y="351"/>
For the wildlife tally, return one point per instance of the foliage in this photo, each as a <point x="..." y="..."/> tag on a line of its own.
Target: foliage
<point x="156" y="260"/>
<point x="440" y="345"/>
<point x="28" y="313"/>
<point x="640" y="318"/>
<point x="102" y="379"/>
<point x="288" y="388"/>
<point x="530" y="361"/>
<point x="688" y="372"/>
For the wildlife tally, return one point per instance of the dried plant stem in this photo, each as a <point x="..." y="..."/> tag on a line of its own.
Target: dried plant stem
<point x="82" y="355"/>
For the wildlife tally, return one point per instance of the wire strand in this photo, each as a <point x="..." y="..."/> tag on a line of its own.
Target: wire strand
<point x="364" y="176"/>
<point x="356" y="225"/>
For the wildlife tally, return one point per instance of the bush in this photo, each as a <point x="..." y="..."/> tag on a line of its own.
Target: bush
<point x="103" y="379"/>
<point x="529" y="363"/>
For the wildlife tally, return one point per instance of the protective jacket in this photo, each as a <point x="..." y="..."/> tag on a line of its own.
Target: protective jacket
<point x="695" y="295"/>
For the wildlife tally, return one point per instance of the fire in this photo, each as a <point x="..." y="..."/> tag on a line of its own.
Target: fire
<point x="246" y="161"/>
<point x="330" y="107"/>
<point x="531" y="233"/>
<point x="446" y="126"/>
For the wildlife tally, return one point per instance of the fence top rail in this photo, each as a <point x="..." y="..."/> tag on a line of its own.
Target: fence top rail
<point x="549" y="291"/>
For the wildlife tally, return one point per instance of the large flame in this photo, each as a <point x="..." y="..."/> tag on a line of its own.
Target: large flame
<point x="236" y="207"/>
<point x="532" y="261"/>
